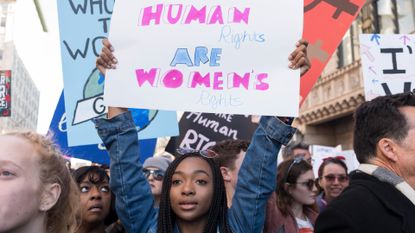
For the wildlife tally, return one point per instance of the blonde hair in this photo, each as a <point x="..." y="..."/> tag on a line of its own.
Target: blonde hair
<point x="61" y="218"/>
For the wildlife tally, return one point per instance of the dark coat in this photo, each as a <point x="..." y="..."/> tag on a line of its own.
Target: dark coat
<point x="368" y="205"/>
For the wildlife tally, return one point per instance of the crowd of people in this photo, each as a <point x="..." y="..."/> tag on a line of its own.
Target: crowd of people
<point x="235" y="186"/>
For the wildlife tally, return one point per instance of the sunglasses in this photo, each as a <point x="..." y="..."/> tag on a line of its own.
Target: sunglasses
<point x="340" y="178"/>
<point x="296" y="160"/>
<point x="309" y="184"/>
<point x="157" y="174"/>
<point x="205" y="153"/>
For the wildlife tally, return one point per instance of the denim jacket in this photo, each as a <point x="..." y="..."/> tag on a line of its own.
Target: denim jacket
<point x="134" y="201"/>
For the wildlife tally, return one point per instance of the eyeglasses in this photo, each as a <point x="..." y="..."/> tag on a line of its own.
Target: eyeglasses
<point x="157" y="174"/>
<point x="296" y="160"/>
<point x="204" y="153"/>
<point x="340" y="178"/>
<point x="309" y="184"/>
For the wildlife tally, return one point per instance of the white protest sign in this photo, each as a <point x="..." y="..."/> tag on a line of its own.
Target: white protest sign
<point x="205" y="56"/>
<point x="388" y="64"/>
<point x="322" y="152"/>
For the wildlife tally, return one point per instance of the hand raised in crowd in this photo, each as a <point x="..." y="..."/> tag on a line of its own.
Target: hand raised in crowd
<point x="106" y="59"/>
<point x="299" y="59"/>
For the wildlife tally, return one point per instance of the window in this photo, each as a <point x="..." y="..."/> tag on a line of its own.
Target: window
<point x="396" y="16"/>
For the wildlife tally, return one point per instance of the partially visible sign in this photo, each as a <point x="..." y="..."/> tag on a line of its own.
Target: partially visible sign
<point x="325" y="23"/>
<point x="206" y="56"/>
<point x="5" y="93"/>
<point x="95" y="153"/>
<point x="320" y="153"/>
<point x="83" y="24"/>
<point x="387" y="64"/>
<point x="200" y="131"/>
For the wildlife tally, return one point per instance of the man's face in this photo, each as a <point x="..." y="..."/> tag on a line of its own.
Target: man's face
<point x="304" y="153"/>
<point x="406" y="149"/>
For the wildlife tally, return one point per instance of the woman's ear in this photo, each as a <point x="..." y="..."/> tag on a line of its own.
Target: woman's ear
<point x="50" y="196"/>
<point x="287" y="188"/>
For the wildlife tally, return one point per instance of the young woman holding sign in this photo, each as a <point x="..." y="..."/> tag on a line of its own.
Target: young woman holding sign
<point x="193" y="196"/>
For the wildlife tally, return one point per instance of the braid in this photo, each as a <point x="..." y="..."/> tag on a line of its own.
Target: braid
<point x="217" y="215"/>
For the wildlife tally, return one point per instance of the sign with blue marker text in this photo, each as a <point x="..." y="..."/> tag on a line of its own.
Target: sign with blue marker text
<point x="206" y="56"/>
<point x="387" y="64"/>
<point x="83" y="24"/>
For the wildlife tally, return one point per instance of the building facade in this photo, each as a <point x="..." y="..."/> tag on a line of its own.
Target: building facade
<point x="326" y="116"/>
<point x="24" y="93"/>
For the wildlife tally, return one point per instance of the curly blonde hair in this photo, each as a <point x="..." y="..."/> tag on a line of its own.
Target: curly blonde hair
<point x="61" y="218"/>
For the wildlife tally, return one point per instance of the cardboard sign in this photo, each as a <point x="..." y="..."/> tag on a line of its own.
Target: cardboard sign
<point x="5" y="93"/>
<point x="325" y="23"/>
<point x="95" y="153"/>
<point x="387" y="64"/>
<point x="200" y="131"/>
<point x="83" y="24"/>
<point x="206" y="56"/>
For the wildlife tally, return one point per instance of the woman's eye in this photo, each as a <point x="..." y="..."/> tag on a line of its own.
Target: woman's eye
<point x="176" y="182"/>
<point x="6" y="173"/>
<point x="84" y="189"/>
<point x="105" y="189"/>
<point x="201" y="182"/>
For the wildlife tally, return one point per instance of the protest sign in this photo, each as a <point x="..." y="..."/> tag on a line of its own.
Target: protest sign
<point x="325" y="23"/>
<point x="387" y="64"/>
<point x="206" y="56"/>
<point x="83" y="24"/>
<point x="95" y="153"/>
<point x="5" y="93"/>
<point x="200" y="131"/>
<point x="320" y="153"/>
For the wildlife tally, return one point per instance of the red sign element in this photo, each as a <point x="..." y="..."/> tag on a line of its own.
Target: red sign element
<point x="5" y="93"/>
<point x="325" y="23"/>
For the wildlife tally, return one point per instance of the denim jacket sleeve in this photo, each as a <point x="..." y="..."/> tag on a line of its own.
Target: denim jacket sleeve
<point x="134" y="201"/>
<point x="257" y="175"/>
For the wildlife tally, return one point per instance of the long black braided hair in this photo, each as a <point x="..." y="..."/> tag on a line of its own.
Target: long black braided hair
<point x="217" y="215"/>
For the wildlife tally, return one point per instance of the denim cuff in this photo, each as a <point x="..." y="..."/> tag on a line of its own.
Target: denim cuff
<point x="115" y="125"/>
<point x="277" y="130"/>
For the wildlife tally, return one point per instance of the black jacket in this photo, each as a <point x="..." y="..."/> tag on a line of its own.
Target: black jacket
<point x="368" y="205"/>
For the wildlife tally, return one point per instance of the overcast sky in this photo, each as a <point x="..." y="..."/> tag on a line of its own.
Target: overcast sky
<point x="40" y="53"/>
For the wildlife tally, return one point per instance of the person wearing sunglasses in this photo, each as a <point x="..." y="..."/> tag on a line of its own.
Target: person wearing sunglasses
<point x="292" y="208"/>
<point x="381" y="194"/>
<point x="332" y="180"/>
<point x="154" y="169"/>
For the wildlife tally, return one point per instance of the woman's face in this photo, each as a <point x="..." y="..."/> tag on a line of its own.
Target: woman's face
<point x="333" y="181"/>
<point x="192" y="190"/>
<point x="95" y="199"/>
<point x="20" y="186"/>
<point x="302" y="192"/>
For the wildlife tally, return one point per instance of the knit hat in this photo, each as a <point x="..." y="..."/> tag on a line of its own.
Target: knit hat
<point x="160" y="162"/>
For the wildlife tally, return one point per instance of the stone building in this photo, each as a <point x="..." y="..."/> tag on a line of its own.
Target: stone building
<point x="326" y="116"/>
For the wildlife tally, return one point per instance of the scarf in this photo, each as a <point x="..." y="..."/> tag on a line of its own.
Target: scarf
<point x="389" y="177"/>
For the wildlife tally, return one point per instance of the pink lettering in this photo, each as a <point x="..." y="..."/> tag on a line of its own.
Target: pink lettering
<point x="237" y="80"/>
<point x="198" y="79"/>
<point x="216" y="16"/>
<point x="143" y="76"/>
<point x="217" y="81"/>
<point x="262" y="86"/>
<point x="173" y="79"/>
<point x="174" y="19"/>
<point x="195" y="14"/>
<point x="239" y="16"/>
<point x="148" y="15"/>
